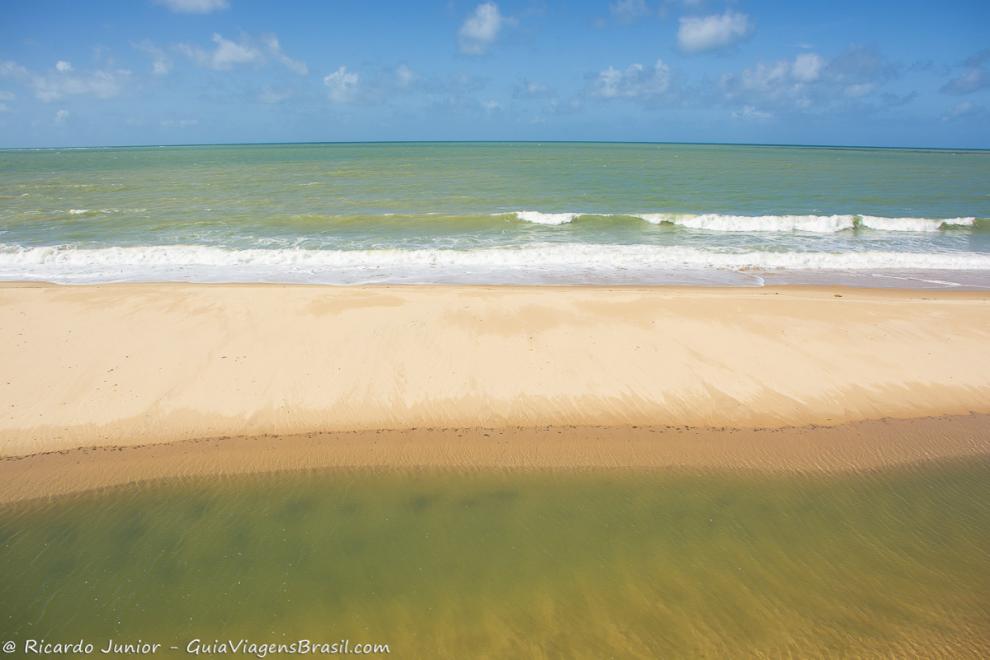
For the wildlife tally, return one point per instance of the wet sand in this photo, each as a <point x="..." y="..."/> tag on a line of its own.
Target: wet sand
<point x="121" y="365"/>
<point x="851" y="447"/>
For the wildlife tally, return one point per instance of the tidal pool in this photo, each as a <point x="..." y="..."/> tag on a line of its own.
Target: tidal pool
<point x="515" y="564"/>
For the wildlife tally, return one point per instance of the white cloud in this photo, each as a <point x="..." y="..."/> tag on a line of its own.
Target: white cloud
<point x="480" y="30"/>
<point x="807" y="67"/>
<point x="269" y="95"/>
<point x="161" y="64"/>
<point x="225" y="55"/>
<point x="855" y="78"/>
<point x="766" y="78"/>
<point x="781" y="79"/>
<point x="101" y="84"/>
<point x="62" y="80"/>
<point x="228" y="54"/>
<point x="404" y="75"/>
<point x="635" y="82"/>
<point x="859" y="89"/>
<point x="966" y="110"/>
<point x="963" y="108"/>
<point x="703" y="33"/>
<point x="975" y="77"/>
<point x="343" y="84"/>
<point x="749" y="113"/>
<point x="194" y="6"/>
<point x="61" y="117"/>
<point x="296" y="66"/>
<point x="10" y="69"/>
<point x="4" y="98"/>
<point x="970" y="80"/>
<point x="629" y="10"/>
<point x="536" y="89"/>
<point x="529" y="89"/>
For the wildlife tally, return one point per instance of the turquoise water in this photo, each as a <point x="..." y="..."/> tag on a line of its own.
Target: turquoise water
<point x="596" y="564"/>
<point x="494" y="212"/>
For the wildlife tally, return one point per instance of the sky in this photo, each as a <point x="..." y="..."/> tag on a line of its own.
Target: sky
<point x="131" y="72"/>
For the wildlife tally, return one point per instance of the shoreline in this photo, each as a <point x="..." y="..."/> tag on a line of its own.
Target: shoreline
<point x="129" y="364"/>
<point x="806" y="286"/>
<point x="825" y="450"/>
<point x="939" y="281"/>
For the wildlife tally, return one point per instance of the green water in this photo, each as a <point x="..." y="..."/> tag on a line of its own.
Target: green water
<point x="598" y="564"/>
<point x="492" y="213"/>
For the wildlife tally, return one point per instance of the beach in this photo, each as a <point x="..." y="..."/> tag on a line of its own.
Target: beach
<point x="626" y="329"/>
<point x="850" y="448"/>
<point x="599" y="470"/>
<point x="501" y="399"/>
<point x="137" y="364"/>
<point x="565" y="377"/>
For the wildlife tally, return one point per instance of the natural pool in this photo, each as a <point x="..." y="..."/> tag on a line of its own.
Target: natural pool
<point x="516" y="564"/>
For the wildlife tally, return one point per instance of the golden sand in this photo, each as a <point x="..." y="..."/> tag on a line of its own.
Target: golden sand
<point x="136" y="364"/>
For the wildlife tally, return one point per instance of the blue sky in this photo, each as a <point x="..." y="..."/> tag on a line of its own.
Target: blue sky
<point x="201" y="71"/>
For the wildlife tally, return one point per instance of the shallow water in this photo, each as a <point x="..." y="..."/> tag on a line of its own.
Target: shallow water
<point x="493" y="213"/>
<point x="520" y="564"/>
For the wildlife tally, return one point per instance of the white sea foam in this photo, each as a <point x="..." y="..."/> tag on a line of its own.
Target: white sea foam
<point x="580" y="261"/>
<point x="102" y="211"/>
<point x="818" y="224"/>
<point x="913" y="224"/>
<point x="546" y="218"/>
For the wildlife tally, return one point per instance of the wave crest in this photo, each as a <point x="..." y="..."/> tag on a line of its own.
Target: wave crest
<point x="913" y="224"/>
<point x="202" y="263"/>
<point x="546" y="218"/>
<point x="818" y="224"/>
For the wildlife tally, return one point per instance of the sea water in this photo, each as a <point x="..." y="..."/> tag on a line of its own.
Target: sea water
<point x="526" y="213"/>
<point x="595" y="564"/>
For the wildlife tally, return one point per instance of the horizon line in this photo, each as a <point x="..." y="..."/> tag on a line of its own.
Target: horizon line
<point x="383" y="142"/>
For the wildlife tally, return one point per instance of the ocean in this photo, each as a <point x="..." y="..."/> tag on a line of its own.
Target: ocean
<point x="497" y="213"/>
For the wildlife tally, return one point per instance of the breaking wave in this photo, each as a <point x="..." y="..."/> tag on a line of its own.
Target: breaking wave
<point x="203" y="263"/>
<point x="819" y="224"/>
<point x="546" y="218"/>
